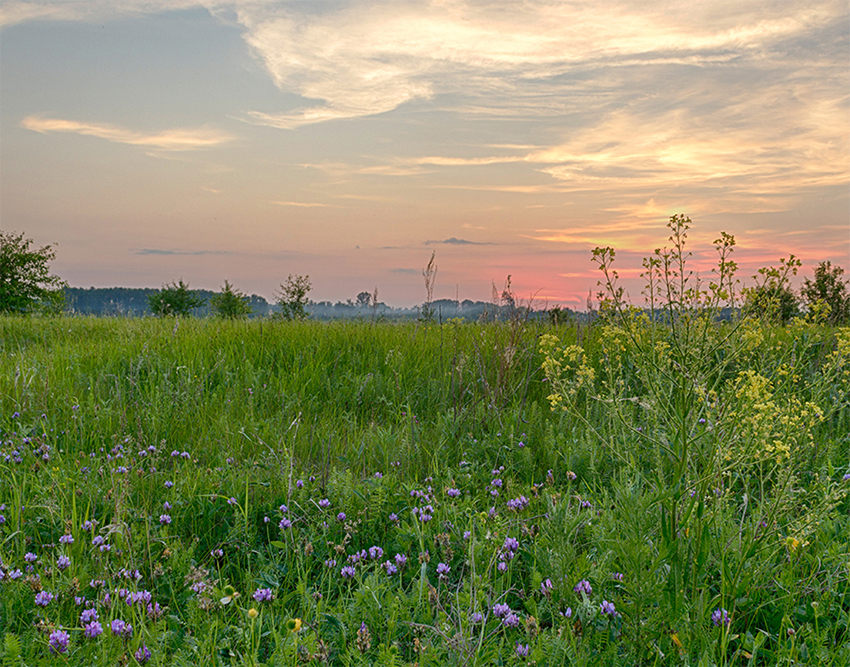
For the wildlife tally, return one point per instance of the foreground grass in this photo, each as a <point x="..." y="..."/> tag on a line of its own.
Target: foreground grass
<point x="269" y="493"/>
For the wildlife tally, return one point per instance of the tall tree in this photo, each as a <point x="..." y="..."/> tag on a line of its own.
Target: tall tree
<point x="26" y="284"/>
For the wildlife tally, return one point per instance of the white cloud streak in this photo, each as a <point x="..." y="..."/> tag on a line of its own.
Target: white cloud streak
<point x="168" y="140"/>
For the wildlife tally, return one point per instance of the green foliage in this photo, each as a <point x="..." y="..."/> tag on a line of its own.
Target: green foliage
<point x="830" y="290"/>
<point x="230" y="303"/>
<point x="174" y="300"/>
<point x="291" y="298"/>
<point x="26" y="284"/>
<point x="772" y="298"/>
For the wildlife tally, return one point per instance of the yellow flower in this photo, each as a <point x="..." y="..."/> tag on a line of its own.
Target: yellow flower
<point x="253" y="613"/>
<point x="295" y="625"/>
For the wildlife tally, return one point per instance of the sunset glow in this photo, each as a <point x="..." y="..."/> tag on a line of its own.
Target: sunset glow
<point x="248" y="140"/>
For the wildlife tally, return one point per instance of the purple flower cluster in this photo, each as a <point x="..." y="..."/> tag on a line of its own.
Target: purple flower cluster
<point x="43" y="598"/>
<point x="121" y="629"/>
<point x="442" y="569"/>
<point x="720" y="617"/>
<point x="59" y="640"/>
<point x="518" y="504"/>
<point x="583" y="587"/>
<point x="608" y="609"/>
<point x="263" y="595"/>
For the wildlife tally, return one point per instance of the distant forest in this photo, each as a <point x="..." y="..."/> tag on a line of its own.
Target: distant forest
<point x="133" y="302"/>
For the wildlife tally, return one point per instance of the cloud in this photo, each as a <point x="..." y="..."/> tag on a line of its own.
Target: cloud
<point x="410" y="272"/>
<point x="169" y="140"/>
<point x="305" y="204"/>
<point x="456" y="241"/>
<point x="160" y="251"/>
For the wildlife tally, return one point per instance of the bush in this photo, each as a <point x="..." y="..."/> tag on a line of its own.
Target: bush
<point x="828" y="289"/>
<point x="175" y="300"/>
<point x="230" y="303"/>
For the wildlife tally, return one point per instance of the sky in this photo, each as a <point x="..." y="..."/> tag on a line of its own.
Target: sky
<point x="157" y="140"/>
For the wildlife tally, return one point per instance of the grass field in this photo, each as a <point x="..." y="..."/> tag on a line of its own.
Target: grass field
<point x="205" y="492"/>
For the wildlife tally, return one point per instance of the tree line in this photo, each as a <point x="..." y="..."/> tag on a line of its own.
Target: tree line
<point x="28" y="286"/>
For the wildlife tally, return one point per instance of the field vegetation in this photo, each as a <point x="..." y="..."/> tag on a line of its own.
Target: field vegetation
<point x="659" y="487"/>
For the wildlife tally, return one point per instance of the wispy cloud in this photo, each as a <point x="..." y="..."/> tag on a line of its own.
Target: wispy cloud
<point x="162" y="251"/>
<point x="306" y="204"/>
<point x="182" y="139"/>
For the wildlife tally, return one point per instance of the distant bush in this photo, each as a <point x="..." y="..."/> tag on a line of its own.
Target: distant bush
<point x="291" y="298"/>
<point x="175" y="300"/>
<point x="230" y="303"/>
<point x="828" y="289"/>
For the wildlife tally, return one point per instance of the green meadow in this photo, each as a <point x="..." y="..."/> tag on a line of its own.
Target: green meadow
<point x="635" y="492"/>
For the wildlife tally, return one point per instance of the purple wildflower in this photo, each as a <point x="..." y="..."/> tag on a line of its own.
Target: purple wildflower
<point x="164" y="519"/>
<point x="324" y="503"/>
<point x="476" y="618"/>
<point x="390" y="567"/>
<point x="30" y="557"/>
<point x="442" y="569"/>
<point x="453" y="493"/>
<point x="142" y="654"/>
<point x="43" y="598"/>
<point x="285" y="523"/>
<point x="522" y="650"/>
<point x="348" y="571"/>
<point x="720" y="617"/>
<point x="608" y="609"/>
<point x="263" y="595"/>
<point x="583" y="587"/>
<point x="400" y="560"/>
<point x="87" y="616"/>
<point x="66" y="539"/>
<point x="340" y="517"/>
<point x="500" y="610"/>
<point x="511" y="620"/>
<point x="59" y="640"/>
<point x="63" y="562"/>
<point x="93" y="629"/>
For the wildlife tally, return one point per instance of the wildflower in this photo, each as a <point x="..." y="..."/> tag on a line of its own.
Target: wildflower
<point x="30" y="557"/>
<point x="400" y="560"/>
<point x="364" y="638"/>
<point x="476" y="618"/>
<point x="164" y="519"/>
<point x="217" y="553"/>
<point x="500" y="610"/>
<point x="97" y="540"/>
<point x="466" y="534"/>
<point x="166" y="505"/>
<point x="608" y="609"/>
<point x="442" y="569"/>
<point x="285" y="523"/>
<point x="92" y="630"/>
<point x="511" y="620"/>
<point x="583" y="587"/>
<point x="453" y="493"/>
<point x="324" y="503"/>
<point x="263" y="595"/>
<point x="155" y="612"/>
<point x="502" y="566"/>
<point x="66" y="539"/>
<point x="720" y="617"/>
<point x="567" y="613"/>
<point x="59" y="640"/>
<point x="511" y="545"/>
<point x="375" y="552"/>
<point x="570" y="475"/>
<point x="87" y="616"/>
<point x="121" y="629"/>
<point x="63" y="562"/>
<point x="347" y="571"/>
<point x="846" y="477"/>
<point x="340" y="517"/>
<point x="232" y="501"/>
<point x="142" y="654"/>
<point x="393" y="517"/>
<point x="546" y="587"/>
<point x="299" y="483"/>
<point x="253" y="613"/>
<point x="390" y="567"/>
<point x="330" y="563"/>
<point x="43" y="598"/>
<point x="169" y="484"/>
<point x="294" y="625"/>
<point x="378" y="475"/>
<point x="522" y="650"/>
<point x="617" y="576"/>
